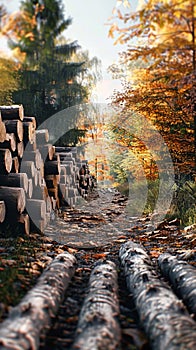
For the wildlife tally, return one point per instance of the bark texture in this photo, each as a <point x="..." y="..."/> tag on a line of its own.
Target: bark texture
<point x="163" y="316"/>
<point x="31" y="319"/>
<point x="98" y="327"/>
<point x="182" y="277"/>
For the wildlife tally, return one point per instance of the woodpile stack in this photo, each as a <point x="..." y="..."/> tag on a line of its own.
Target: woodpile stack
<point x="36" y="178"/>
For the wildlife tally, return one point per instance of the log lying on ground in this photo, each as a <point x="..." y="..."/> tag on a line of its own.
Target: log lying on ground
<point x="98" y="327"/>
<point x="30" y="320"/>
<point x="182" y="277"/>
<point x="163" y="316"/>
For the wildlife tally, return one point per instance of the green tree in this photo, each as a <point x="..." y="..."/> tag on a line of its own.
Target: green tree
<point x="50" y="73"/>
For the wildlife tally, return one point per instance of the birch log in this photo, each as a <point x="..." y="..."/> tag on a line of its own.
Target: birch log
<point x="163" y="316"/>
<point x="182" y="277"/>
<point x="31" y="319"/>
<point x="98" y="327"/>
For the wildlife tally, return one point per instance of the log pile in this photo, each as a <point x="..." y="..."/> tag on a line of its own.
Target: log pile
<point x="164" y="317"/>
<point x="36" y="178"/>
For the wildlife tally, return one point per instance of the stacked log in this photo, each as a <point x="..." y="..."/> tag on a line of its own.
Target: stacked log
<point x="35" y="177"/>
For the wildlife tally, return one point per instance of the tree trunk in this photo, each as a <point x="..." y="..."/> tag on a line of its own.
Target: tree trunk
<point x="15" y="180"/>
<point x="15" y="127"/>
<point x="12" y="112"/>
<point x="36" y="209"/>
<point x="5" y="161"/>
<point x="98" y="327"/>
<point x="2" y="211"/>
<point x="31" y="319"/>
<point x="163" y="316"/>
<point x="182" y="277"/>
<point x="14" y="199"/>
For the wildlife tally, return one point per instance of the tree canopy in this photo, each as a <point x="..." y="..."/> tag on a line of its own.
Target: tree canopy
<point x="160" y="65"/>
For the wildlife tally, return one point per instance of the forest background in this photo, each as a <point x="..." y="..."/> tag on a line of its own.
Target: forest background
<point x="157" y="68"/>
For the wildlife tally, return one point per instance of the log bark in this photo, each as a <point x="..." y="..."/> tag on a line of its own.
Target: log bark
<point x="15" y="180"/>
<point x="47" y="151"/>
<point x="5" y="161"/>
<point x="52" y="167"/>
<point x="2" y="132"/>
<point x="28" y="167"/>
<point x="14" y="199"/>
<point x="30" y="320"/>
<point x="15" y="165"/>
<point x="24" y="224"/>
<point x="182" y="277"/>
<point x="12" y="112"/>
<point x="28" y="132"/>
<point x="33" y="156"/>
<point x="9" y="143"/>
<point x="36" y="209"/>
<point x="15" y="127"/>
<point x="163" y="316"/>
<point x="42" y="136"/>
<point x="30" y="119"/>
<point x="98" y="327"/>
<point x="2" y="211"/>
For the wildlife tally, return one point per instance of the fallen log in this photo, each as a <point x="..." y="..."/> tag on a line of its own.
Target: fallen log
<point x="12" y="112"/>
<point x="98" y="327"/>
<point x="30" y="320"/>
<point x="2" y="211"/>
<point x="182" y="277"/>
<point x="164" y="317"/>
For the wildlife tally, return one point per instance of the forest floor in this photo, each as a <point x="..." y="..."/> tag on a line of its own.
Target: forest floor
<point x="95" y="230"/>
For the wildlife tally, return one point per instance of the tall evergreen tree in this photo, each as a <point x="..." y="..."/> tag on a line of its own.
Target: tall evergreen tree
<point x="49" y="77"/>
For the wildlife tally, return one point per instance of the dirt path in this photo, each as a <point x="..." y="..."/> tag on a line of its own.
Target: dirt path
<point x="94" y="233"/>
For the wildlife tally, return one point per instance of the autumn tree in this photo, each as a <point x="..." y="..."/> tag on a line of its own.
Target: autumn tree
<point x="160" y="61"/>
